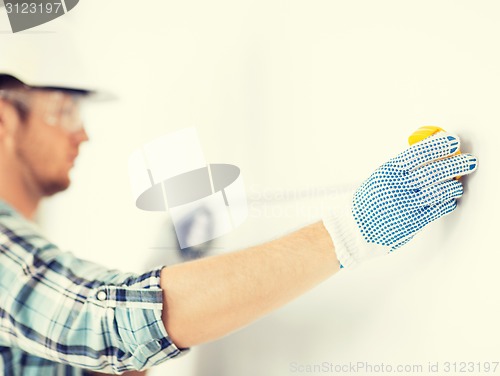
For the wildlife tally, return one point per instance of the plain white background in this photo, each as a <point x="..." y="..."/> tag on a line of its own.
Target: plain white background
<point x="307" y="98"/>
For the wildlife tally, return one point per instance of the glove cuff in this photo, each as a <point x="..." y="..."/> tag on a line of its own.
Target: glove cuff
<point x="350" y="246"/>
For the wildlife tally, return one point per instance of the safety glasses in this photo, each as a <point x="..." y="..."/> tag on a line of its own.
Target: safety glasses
<point x="57" y="108"/>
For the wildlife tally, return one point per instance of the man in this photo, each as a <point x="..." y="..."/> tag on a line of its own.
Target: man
<point x="62" y="314"/>
<point x="32" y="173"/>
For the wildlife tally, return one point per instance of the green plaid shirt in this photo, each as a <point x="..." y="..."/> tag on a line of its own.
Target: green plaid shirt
<point x="60" y="315"/>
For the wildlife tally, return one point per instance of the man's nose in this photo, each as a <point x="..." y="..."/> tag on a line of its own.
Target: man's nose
<point x="80" y="136"/>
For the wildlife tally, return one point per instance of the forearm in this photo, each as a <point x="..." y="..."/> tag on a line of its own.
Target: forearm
<point x="209" y="298"/>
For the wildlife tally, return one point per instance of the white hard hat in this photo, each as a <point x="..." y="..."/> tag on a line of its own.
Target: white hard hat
<point x="46" y="60"/>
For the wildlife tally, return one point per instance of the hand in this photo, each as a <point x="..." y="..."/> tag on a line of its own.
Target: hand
<point x="400" y="198"/>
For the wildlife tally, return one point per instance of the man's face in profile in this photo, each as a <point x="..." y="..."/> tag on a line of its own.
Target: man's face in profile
<point x="47" y="141"/>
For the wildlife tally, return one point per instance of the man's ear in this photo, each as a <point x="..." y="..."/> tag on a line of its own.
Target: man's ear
<point x="2" y="116"/>
<point x="8" y="118"/>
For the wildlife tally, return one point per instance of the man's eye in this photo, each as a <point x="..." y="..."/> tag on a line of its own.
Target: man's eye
<point x="67" y="111"/>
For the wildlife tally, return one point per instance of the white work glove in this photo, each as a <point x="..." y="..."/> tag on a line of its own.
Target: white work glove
<point x="400" y="198"/>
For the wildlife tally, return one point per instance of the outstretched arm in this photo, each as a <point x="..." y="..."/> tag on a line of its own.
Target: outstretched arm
<point x="208" y="298"/>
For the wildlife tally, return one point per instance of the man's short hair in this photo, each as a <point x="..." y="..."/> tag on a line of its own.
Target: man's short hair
<point x="10" y="83"/>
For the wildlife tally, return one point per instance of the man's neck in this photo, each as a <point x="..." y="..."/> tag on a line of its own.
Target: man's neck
<point x="18" y="193"/>
<point x="26" y="209"/>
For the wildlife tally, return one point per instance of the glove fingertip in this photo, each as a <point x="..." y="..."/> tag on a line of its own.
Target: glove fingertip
<point x="452" y="205"/>
<point x="468" y="162"/>
<point x="473" y="163"/>
<point x="452" y="140"/>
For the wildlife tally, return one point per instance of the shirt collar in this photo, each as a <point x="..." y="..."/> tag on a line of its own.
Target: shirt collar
<point x="6" y="208"/>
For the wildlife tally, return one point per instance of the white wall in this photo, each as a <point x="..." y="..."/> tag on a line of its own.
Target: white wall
<point x="301" y="95"/>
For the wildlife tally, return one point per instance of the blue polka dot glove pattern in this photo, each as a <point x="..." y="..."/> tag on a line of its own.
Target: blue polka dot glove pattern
<point x="399" y="199"/>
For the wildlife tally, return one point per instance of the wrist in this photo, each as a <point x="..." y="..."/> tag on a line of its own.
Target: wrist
<point x="350" y="246"/>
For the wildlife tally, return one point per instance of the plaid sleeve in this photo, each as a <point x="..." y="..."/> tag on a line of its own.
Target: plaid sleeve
<point x="58" y="307"/>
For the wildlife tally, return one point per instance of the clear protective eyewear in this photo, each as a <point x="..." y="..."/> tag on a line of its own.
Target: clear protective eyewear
<point x="60" y="108"/>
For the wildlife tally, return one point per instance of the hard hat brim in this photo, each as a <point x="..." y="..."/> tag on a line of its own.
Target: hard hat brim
<point x="92" y="95"/>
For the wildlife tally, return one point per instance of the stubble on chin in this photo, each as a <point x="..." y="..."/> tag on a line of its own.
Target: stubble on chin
<point x="51" y="187"/>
